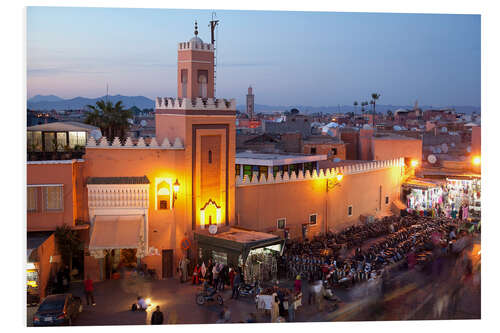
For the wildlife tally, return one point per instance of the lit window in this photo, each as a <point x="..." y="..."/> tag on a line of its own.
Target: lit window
<point x="49" y="141"/>
<point x="54" y="197"/>
<point x="163" y="195"/>
<point x="349" y="211"/>
<point x="313" y="218"/>
<point x="34" y="141"/>
<point x="32" y="194"/>
<point x="61" y="141"/>
<point x="281" y="223"/>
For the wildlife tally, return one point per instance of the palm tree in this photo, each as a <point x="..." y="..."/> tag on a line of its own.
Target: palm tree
<point x="111" y="119"/>
<point x="375" y="97"/>
<point x="355" y="106"/>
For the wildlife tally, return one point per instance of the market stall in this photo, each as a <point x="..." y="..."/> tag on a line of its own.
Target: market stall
<point x="39" y="264"/>
<point x="422" y="195"/>
<point x="254" y="252"/>
<point x="465" y="193"/>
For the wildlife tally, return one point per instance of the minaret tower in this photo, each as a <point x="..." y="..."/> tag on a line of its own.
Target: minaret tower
<point x="206" y="128"/>
<point x="195" y="68"/>
<point x="250" y="105"/>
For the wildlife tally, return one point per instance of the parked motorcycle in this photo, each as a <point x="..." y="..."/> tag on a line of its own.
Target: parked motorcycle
<point x="249" y="290"/>
<point x="209" y="296"/>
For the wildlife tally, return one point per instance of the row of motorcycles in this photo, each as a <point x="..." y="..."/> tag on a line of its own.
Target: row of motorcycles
<point x="209" y="294"/>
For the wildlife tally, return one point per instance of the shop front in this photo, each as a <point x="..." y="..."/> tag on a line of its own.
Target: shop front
<point x="117" y="242"/>
<point x="255" y="253"/>
<point x="41" y="264"/>
<point x="422" y="195"/>
<point x="465" y="195"/>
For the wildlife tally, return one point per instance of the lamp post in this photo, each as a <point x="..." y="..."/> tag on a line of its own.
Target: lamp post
<point x="176" y="190"/>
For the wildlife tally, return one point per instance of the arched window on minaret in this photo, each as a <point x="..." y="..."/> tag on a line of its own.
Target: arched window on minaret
<point x="184" y="79"/>
<point x="203" y="83"/>
<point x="163" y="193"/>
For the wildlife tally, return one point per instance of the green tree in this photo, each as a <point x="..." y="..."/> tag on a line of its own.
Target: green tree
<point x="113" y="120"/>
<point x="68" y="242"/>
<point x="375" y="97"/>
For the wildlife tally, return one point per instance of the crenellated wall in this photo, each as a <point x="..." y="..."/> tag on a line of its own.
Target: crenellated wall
<point x="364" y="187"/>
<point x="169" y="103"/>
<point x="360" y="167"/>
<point x="141" y="143"/>
<point x="195" y="46"/>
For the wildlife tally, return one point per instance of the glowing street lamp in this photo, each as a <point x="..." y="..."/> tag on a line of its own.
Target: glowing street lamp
<point x="476" y="160"/>
<point x="176" y="190"/>
<point x="333" y="182"/>
<point x="414" y="163"/>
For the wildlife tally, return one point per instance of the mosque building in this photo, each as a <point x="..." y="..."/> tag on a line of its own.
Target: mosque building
<point x="179" y="194"/>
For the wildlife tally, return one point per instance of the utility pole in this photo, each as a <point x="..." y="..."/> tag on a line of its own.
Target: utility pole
<point x="213" y="26"/>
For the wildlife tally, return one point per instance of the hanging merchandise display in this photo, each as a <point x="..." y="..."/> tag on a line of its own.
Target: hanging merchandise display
<point x="261" y="265"/>
<point x="420" y="199"/>
<point x="463" y="197"/>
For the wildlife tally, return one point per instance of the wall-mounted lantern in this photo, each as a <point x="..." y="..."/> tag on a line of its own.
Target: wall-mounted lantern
<point x="176" y="187"/>
<point x="331" y="183"/>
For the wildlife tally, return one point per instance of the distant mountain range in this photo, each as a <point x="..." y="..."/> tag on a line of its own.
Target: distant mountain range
<point x="52" y="102"/>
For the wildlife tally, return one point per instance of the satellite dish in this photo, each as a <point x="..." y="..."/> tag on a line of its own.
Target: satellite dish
<point x="444" y="148"/>
<point x="143" y="123"/>
<point x="212" y="229"/>
<point x="469" y="149"/>
<point x="432" y="159"/>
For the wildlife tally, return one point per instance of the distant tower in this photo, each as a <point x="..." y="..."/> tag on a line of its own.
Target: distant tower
<point x="250" y="105"/>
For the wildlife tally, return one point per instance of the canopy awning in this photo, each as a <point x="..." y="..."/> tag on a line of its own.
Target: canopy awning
<point x="420" y="184"/>
<point x="116" y="232"/>
<point x="238" y="240"/>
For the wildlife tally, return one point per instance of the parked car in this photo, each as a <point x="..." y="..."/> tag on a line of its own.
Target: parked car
<point x="56" y="310"/>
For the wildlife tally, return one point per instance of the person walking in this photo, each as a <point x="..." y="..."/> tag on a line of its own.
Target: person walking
<point x="89" y="290"/>
<point x="196" y="273"/>
<point x="157" y="317"/>
<point x="275" y="310"/>
<point x="291" y="306"/>
<point x="297" y="284"/>
<point x="236" y="285"/>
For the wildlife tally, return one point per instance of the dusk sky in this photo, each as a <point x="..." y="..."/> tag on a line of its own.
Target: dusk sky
<point x="290" y="58"/>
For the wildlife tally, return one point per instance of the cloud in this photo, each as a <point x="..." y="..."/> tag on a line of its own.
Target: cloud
<point x="61" y="70"/>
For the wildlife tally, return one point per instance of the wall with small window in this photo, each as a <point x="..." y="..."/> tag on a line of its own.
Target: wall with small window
<point x="51" y="194"/>
<point x="305" y="203"/>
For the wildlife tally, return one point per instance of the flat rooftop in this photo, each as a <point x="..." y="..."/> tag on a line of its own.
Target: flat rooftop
<point x="274" y="159"/>
<point x="244" y="236"/>
<point x="392" y="137"/>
